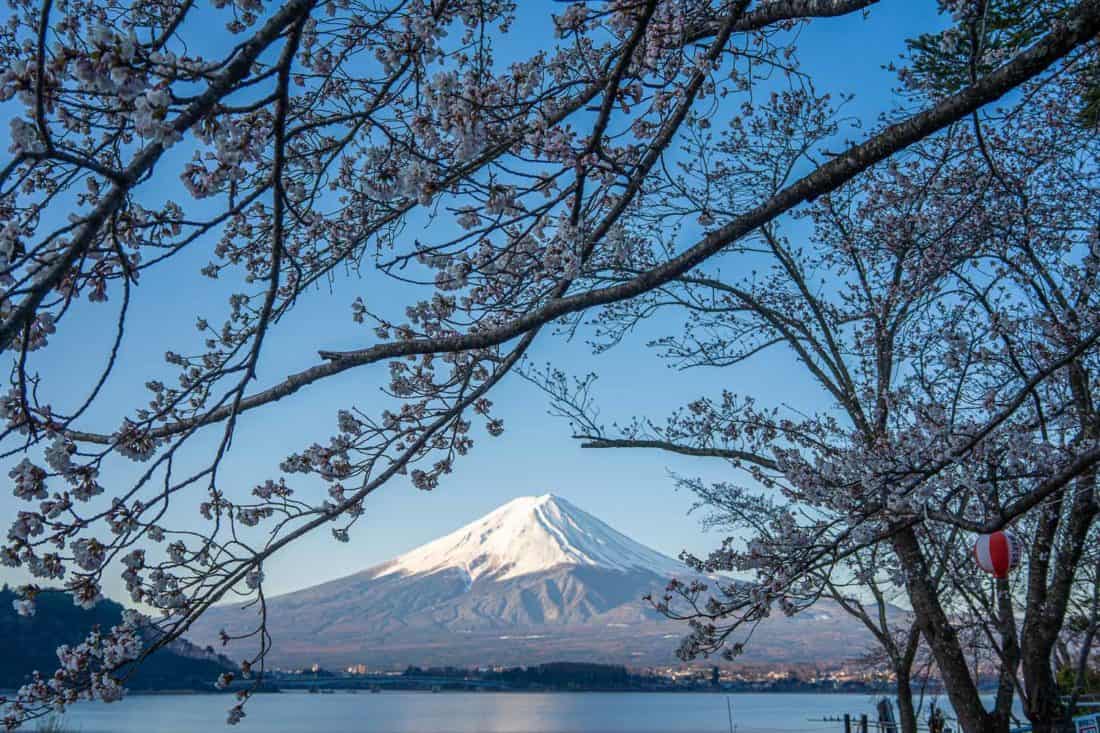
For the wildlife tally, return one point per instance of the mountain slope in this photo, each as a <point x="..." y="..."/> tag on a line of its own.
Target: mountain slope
<point x="29" y="643"/>
<point x="536" y="580"/>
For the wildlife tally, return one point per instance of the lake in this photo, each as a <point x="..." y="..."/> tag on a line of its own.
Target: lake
<point x="462" y="712"/>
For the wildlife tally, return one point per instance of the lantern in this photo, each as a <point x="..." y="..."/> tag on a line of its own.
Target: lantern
<point x="997" y="553"/>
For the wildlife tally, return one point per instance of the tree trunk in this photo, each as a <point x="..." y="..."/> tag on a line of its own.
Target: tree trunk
<point x="941" y="637"/>
<point x="1010" y="653"/>
<point x="1047" y="612"/>
<point x="907" y="713"/>
<point x="1044" y="706"/>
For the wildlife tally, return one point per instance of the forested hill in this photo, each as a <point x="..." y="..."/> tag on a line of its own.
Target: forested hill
<point x="29" y="643"/>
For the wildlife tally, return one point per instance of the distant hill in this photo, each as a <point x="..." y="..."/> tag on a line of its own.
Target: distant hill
<point x="537" y="580"/>
<point x="29" y="643"/>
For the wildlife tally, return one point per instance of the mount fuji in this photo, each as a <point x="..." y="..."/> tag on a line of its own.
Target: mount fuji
<point x="536" y="580"/>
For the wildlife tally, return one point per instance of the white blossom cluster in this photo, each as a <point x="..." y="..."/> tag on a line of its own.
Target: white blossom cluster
<point x="87" y="671"/>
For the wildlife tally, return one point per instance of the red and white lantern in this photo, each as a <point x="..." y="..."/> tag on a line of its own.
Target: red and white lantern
<point x="997" y="553"/>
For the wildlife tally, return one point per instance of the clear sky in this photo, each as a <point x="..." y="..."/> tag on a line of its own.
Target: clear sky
<point x="632" y="490"/>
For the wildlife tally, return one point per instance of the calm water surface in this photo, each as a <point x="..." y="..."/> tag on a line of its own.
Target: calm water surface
<point x="459" y="712"/>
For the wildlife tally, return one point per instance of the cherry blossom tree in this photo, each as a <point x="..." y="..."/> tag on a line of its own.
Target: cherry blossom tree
<point x="302" y="137"/>
<point x="1076" y="656"/>
<point x="945" y="305"/>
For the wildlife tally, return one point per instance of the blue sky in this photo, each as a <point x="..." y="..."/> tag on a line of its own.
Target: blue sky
<point x="631" y="490"/>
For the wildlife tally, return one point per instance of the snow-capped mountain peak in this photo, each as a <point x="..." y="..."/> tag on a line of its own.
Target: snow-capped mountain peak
<point x="530" y="535"/>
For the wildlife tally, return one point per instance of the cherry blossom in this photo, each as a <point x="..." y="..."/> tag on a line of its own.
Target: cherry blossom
<point x="294" y="143"/>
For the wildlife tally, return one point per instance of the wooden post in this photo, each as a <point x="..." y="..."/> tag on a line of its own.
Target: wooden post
<point x="847" y="723"/>
<point x="863" y="723"/>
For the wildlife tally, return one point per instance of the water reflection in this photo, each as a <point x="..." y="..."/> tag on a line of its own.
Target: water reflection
<point x="412" y="712"/>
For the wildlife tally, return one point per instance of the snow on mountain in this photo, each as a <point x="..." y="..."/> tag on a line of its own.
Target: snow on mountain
<point x="529" y="535"/>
